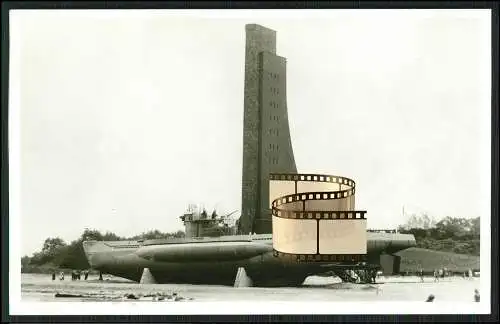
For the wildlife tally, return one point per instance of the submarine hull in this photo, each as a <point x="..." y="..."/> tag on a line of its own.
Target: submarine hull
<point x="216" y="261"/>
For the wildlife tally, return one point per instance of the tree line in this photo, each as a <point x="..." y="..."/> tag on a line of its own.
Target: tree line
<point x="450" y="234"/>
<point x="56" y="253"/>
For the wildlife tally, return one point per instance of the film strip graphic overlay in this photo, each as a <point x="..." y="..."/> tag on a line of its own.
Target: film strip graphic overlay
<point x="314" y="219"/>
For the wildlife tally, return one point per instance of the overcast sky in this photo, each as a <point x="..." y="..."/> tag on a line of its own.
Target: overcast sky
<point x="128" y="116"/>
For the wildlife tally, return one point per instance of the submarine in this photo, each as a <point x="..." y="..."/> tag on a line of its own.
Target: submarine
<point x="216" y="260"/>
<point x="207" y="256"/>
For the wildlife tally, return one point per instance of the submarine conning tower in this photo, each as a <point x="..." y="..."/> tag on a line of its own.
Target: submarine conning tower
<point x="202" y="224"/>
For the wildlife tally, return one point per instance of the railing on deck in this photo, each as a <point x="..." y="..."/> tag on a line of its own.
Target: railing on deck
<point x="392" y="231"/>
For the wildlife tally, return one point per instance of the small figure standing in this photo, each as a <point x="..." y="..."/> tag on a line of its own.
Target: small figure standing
<point x="421" y="274"/>
<point x="436" y="275"/>
<point x="61" y="275"/>
<point x="100" y="276"/>
<point x="86" y="274"/>
<point x="476" y="296"/>
<point x="53" y="275"/>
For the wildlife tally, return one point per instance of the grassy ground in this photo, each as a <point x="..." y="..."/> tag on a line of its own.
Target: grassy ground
<point x="414" y="258"/>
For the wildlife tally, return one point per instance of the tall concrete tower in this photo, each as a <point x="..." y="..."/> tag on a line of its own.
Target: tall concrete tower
<point x="267" y="144"/>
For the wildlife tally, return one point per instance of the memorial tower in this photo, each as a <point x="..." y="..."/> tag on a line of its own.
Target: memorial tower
<point x="267" y="146"/>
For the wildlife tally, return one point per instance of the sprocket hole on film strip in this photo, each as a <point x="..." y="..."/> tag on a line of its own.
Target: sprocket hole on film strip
<point x="314" y="218"/>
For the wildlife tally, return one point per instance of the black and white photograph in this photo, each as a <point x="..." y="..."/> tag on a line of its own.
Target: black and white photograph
<point x="249" y="161"/>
